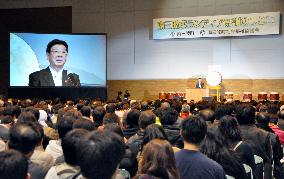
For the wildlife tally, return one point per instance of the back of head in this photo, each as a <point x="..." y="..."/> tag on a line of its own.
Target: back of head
<point x="153" y="131"/>
<point x="84" y="124"/>
<point x="245" y="114"/>
<point x="98" y="114"/>
<point x="132" y="118"/>
<point x="32" y="110"/>
<point x="113" y="127"/>
<point x="111" y="118"/>
<point x="273" y="118"/>
<point x="13" y="165"/>
<point x="207" y="115"/>
<point x="24" y="137"/>
<point x="144" y="106"/>
<point x="281" y="114"/>
<point x="146" y="118"/>
<point x="27" y="116"/>
<point x="65" y="125"/>
<point x="229" y="127"/>
<point x="193" y="129"/>
<point x="262" y="118"/>
<point x="168" y="116"/>
<point x="86" y="111"/>
<point x="110" y="108"/>
<point x="273" y="108"/>
<point x="222" y="110"/>
<point x="158" y="160"/>
<point x="71" y="143"/>
<point x="100" y="154"/>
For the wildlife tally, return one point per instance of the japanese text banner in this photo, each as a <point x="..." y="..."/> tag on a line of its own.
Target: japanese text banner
<point x="217" y="26"/>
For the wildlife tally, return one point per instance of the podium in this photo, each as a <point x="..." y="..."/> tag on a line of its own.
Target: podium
<point x="196" y="94"/>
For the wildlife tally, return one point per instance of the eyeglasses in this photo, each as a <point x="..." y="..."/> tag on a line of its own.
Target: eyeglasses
<point x="57" y="52"/>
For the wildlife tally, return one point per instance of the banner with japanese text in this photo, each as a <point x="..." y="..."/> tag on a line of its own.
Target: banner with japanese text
<point x="217" y="26"/>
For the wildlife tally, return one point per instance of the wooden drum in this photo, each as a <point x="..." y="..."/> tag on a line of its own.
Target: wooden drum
<point x="247" y="96"/>
<point x="274" y="96"/>
<point x="229" y="96"/>
<point x="170" y="95"/>
<point x="262" y="96"/>
<point x="163" y="95"/>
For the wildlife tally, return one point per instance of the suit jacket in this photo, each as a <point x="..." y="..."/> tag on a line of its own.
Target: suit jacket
<point x="44" y="78"/>
<point x="197" y="85"/>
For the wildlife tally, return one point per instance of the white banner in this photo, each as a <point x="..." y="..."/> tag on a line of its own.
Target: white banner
<point x="217" y="26"/>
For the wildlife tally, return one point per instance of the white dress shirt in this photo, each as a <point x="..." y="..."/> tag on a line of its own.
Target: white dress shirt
<point x="57" y="76"/>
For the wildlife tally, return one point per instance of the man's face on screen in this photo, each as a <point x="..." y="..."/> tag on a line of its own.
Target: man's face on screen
<point x="57" y="56"/>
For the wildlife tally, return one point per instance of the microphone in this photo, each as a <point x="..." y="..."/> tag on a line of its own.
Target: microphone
<point x="72" y="79"/>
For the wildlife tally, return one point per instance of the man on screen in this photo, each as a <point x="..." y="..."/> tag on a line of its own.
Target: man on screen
<point x="199" y="84"/>
<point x="54" y="74"/>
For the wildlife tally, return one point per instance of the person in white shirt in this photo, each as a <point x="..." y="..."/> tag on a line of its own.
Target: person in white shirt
<point x="54" y="74"/>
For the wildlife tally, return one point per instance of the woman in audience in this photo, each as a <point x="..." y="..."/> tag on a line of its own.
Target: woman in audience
<point x="214" y="149"/>
<point x="158" y="161"/>
<point x="230" y="129"/>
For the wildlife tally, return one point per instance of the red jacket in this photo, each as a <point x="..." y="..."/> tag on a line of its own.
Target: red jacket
<point x="278" y="132"/>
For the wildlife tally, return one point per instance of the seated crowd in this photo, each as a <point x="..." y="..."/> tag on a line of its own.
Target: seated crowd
<point x="92" y="139"/>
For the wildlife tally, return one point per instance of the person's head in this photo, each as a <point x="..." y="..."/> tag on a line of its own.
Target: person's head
<point x="99" y="154"/>
<point x="84" y="124"/>
<point x="168" y="116"/>
<point x="262" y="118"/>
<point x="33" y="110"/>
<point x="110" y="118"/>
<point x="229" y="127"/>
<point x="27" y="116"/>
<point x="158" y="160"/>
<point x="132" y="118"/>
<point x="110" y="108"/>
<point x="222" y="110"/>
<point x="57" y="52"/>
<point x="24" y="137"/>
<point x="98" y="115"/>
<point x="146" y="118"/>
<point x="113" y="127"/>
<point x="13" y="165"/>
<point x="71" y="143"/>
<point x="207" y="115"/>
<point x="153" y="131"/>
<point x="145" y="106"/>
<point x="193" y="129"/>
<point x="86" y="111"/>
<point x="64" y="125"/>
<point x="245" y="114"/>
<point x="199" y="79"/>
<point x="281" y="114"/>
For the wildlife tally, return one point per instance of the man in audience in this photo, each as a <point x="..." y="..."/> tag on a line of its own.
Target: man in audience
<point x="191" y="163"/>
<point x="13" y="165"/>
<point x="86" y="112"/>
<point x="99" y="154"/>
<point x="5" y="124"/>
<point x="24" y="137"/>
<point x="70" y="143"/>
<point x="257" y="138"/>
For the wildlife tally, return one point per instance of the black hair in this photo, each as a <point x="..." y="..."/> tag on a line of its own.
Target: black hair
<point x="64" y="125"/>
<point x="98" y="115"/>
<point x="71" y="143"/>
<point x="32" y="110"/>
<point x="168" y="116"/>
<point x="113" y="127"/>
<point x="193" y="129"/>
<point x="84" y="124"/>
<point x="132" y="118"/>
<point x="111" y="118"/>
<point x="56" y="42"/>
<point x="222" y="110"/>
<point x="146" y="118"/>
<point x="86" y="111"/>
<point x="99" y="154"/>
<point x="110" y="108"/>
<point x="24" y="137"/>
<point x="245" y="114"/>
<point x="13" y="165"/>
<point x="262" y="118"/>
<point x="144" y="106"/>
<point x="229" y="127"/>
<point x="153" y="131"/>
<point x="207" y="115"/>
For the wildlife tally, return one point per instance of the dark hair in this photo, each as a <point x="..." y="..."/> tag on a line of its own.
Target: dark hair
<point x="193" y="129"/>
<point x="158" y="160"/>
<point x="71" y="143"/>
<point x="113" y="127"/>
<point x="223" y="110"/>
<point x="111" y="118"/>
<point x="262" y="118"/>
<point x="12" y="111"/>
<point x="110" y="108"/>
<point x="245" y="114"/>
<point x="27" y="116"/>
<point x="64" y="125"/>
<point x="98" y="115"/>
<point x="229" y="127"/>
<point x="24" y="137"/>
<point x="84" y="124"/>
<point x="146" y="118"/>
<point x="144" y="106"/>
<point x="99" y="154"/>
<point x="273" y="118"/>
<point x="214" y="149"/>
<point x="56" y="42"/>
<point x="153" y="131"/>
<point x="207" y="115"/>
<point x="132" y="118"/>
<point x="168" y="116"/>
<point x="86" y="111"/>
<point x="13" y="165"/>
<point x="281" y="114"/>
